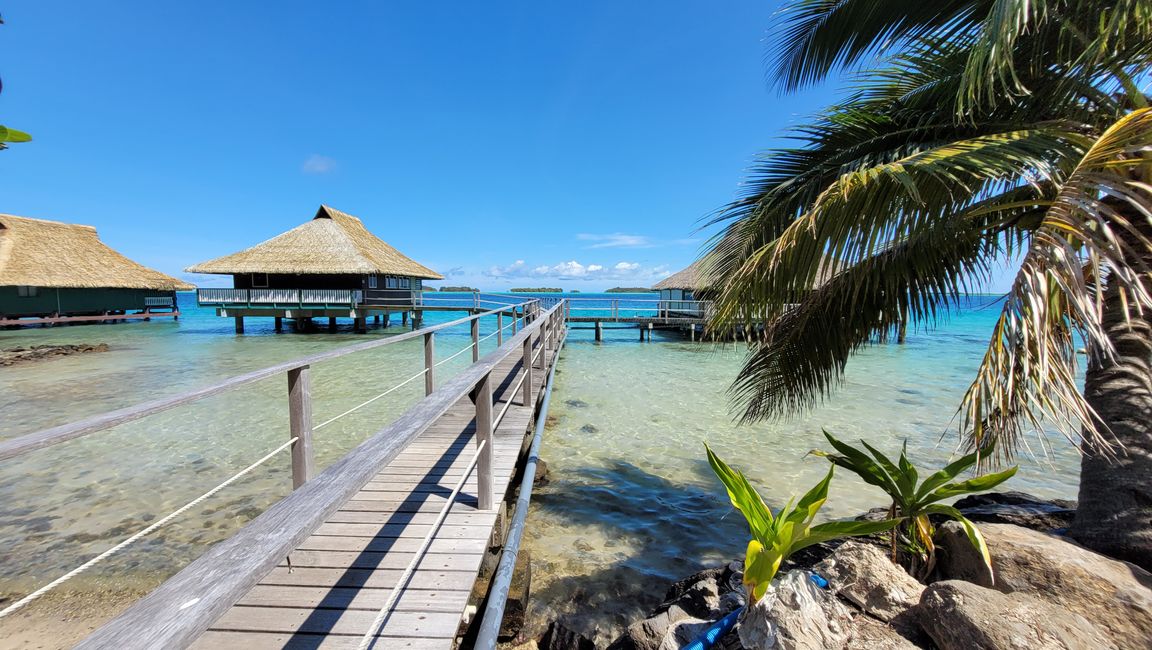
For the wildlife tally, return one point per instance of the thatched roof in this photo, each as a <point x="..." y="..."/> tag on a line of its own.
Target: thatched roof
<point x="333" y="242"/>
<point x="40" y="253"/>
<point x="691" y="278"/>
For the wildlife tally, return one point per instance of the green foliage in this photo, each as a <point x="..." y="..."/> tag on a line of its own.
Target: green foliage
<point x="913" y="501"/>
<point x="987" y="129"/>
<point x="12" y="135"/>
<point x="775" y="537"/>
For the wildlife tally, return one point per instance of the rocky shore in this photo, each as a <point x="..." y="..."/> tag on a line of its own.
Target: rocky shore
<point x="1044" y="592"/>
<point x="14" y="356"/>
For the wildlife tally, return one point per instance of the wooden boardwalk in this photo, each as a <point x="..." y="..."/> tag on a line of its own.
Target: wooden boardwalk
<point x="327" y="593"/>
<point x="354" y="554"/>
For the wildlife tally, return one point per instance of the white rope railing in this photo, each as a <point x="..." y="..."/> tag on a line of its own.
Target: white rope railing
<point x="363" y="404"/>
<point x="511" y="396"/>
<point x="115" y="549"/>
<point x="369" y="638"/>
<point x="462" y="351"/>
<point x="495" y="332"/>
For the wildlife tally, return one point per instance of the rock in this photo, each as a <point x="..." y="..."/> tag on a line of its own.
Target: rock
<point x="576" y="403"/>
<point x="541" y="477"/>
<point x="683" y="632"/>
<point x="13" y="356"/>
<point x="869" y="634"/>
<point x="1018" y="508"/>
<point x="589" y="428"/>
<point x="649" y="633"/>
<point x="957" y="559"/>
<point x="795" y="615"/>
<point x="1116" y="596"/>
<point x="864" y="576"/>
<point x="558" y="637"/>
<point x="960" y="615"/>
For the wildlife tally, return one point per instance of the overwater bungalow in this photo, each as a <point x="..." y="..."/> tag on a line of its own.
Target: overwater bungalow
<point x="53" y="272"/>
<point x="681" y="293"/>
<point x="330" y="266"/>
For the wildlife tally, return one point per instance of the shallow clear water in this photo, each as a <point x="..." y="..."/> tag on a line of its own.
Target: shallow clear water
<point x="631" y="504"/>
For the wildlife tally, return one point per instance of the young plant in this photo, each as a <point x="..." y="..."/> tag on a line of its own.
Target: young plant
<point x="912" y="503"/>
<point x="775" y="537"/>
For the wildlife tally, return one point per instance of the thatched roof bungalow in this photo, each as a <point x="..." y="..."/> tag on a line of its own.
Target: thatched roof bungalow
<point x="57" y="271"/>
<point x="328" y="266"/>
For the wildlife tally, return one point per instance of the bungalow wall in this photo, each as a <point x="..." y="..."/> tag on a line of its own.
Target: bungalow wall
<point x="44" y="301"/>
<point x="379" y="290"/>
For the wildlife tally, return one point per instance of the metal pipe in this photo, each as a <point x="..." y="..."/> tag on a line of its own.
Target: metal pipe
<point x="502" y="579"/>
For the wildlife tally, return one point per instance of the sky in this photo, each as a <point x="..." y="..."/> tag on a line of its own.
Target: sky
<point x="512" y="144"/>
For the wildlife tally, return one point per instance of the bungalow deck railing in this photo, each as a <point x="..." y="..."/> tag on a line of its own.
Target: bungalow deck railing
<point x="279" y="297"/>
<point x="301" y="428"/>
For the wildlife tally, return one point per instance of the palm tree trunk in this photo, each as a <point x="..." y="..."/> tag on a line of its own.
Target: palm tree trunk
<point x="1114" y="515"/>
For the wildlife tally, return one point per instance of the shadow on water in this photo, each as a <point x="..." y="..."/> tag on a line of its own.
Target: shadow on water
<point x="649" y="531"/>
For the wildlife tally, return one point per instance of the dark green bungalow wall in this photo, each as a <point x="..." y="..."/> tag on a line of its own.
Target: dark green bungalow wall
<point x="73" y="301"/>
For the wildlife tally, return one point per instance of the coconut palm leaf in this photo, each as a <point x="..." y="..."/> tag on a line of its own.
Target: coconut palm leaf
<point x="1096" y="231"/>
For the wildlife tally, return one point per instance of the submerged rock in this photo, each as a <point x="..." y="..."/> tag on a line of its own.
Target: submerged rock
<point x="960" y="615"/>
<point x="576" y="403"/>
<point x="589" y="428"/>
<point x="13" y="356"/>
<point x="558" y="637"/>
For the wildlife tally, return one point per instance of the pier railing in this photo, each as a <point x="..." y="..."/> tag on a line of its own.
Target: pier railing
<point x="298" y="298"/>
<point x="177" y="612"/>
<point x="615" y="309"/>
<point x="526" y="316"/>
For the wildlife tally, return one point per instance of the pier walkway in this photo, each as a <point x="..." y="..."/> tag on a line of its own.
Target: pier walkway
<point x="383" y="548"/>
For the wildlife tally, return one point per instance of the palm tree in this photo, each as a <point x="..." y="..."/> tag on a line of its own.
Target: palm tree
<point x="987" y="129"/>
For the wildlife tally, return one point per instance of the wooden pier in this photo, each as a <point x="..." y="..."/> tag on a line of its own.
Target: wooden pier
<point x="381" y="549"/>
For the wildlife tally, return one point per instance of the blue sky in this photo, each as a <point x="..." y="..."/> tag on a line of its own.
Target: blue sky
<point x="503" y="144"/>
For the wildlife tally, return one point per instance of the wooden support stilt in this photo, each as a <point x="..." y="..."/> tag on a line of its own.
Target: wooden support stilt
<point x="600" y="331"/>
<point x="278" y="323"/>
<point x="239" y="324"/>
<point x="331" y="323"/>
<point x="387" y="319"/>
<point x="417" y="319"/>
<point x="361" y="324"/>
<point x="376" y="320"/>
<point x="404" y="318"/>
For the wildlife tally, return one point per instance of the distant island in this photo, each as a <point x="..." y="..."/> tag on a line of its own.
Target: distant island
<point x="458" y="289"/>
<point x="630" y="290"/>
<point x="537" y="290"/>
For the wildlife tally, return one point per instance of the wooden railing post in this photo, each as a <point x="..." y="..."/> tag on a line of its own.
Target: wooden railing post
<point x="544" y="335"/>
<point x="484" y="435"/>
<point x="300" y="424"/>
<point x="429" y="363"/>
<point x="475" y="339"/>
<point x="499" y="328"/>
<point x="513" y="320"/>
<point x="527" y="395"/>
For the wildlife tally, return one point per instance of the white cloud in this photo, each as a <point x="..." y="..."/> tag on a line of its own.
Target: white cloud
<point x="317" y="164"/>
<point x="616" y="240"/>
<point x="634" y="272"/>
<point x="514" y="269"/>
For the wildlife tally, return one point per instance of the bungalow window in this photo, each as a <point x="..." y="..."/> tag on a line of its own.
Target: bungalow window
<point x="260" y="280"/>
<point x="371" y="282"/>
<point x="392" y="283"/>
<point x="418" y="284"/>
<point x="404" y="283"/>
<point x="25" y="291"/>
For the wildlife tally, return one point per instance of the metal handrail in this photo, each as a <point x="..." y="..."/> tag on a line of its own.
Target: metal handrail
<point x="502" y="578"/>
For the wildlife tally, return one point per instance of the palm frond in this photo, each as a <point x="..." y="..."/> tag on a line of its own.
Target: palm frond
<point x="1095" y="237"/>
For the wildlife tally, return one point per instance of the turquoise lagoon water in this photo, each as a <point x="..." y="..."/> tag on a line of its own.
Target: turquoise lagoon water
<point x="630" y="504"/>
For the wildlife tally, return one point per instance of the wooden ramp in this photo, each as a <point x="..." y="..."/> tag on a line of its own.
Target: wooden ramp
<point x="327" y="593"/>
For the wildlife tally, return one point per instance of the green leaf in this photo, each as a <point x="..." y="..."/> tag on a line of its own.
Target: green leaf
<point x="811" y="502"/>
<point x="946" y="474"/>
<point x="836" y="529"/>
<point x="970" y="529"/>
<point x="977" y="484"/>
<point x="857" y="462"/>
<point x="12" y="135"/>
<point x="899" y="479"/>
<point x="743" y="496"/>
<point x="760" y="566"/>
<point x="908" y="474"/>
